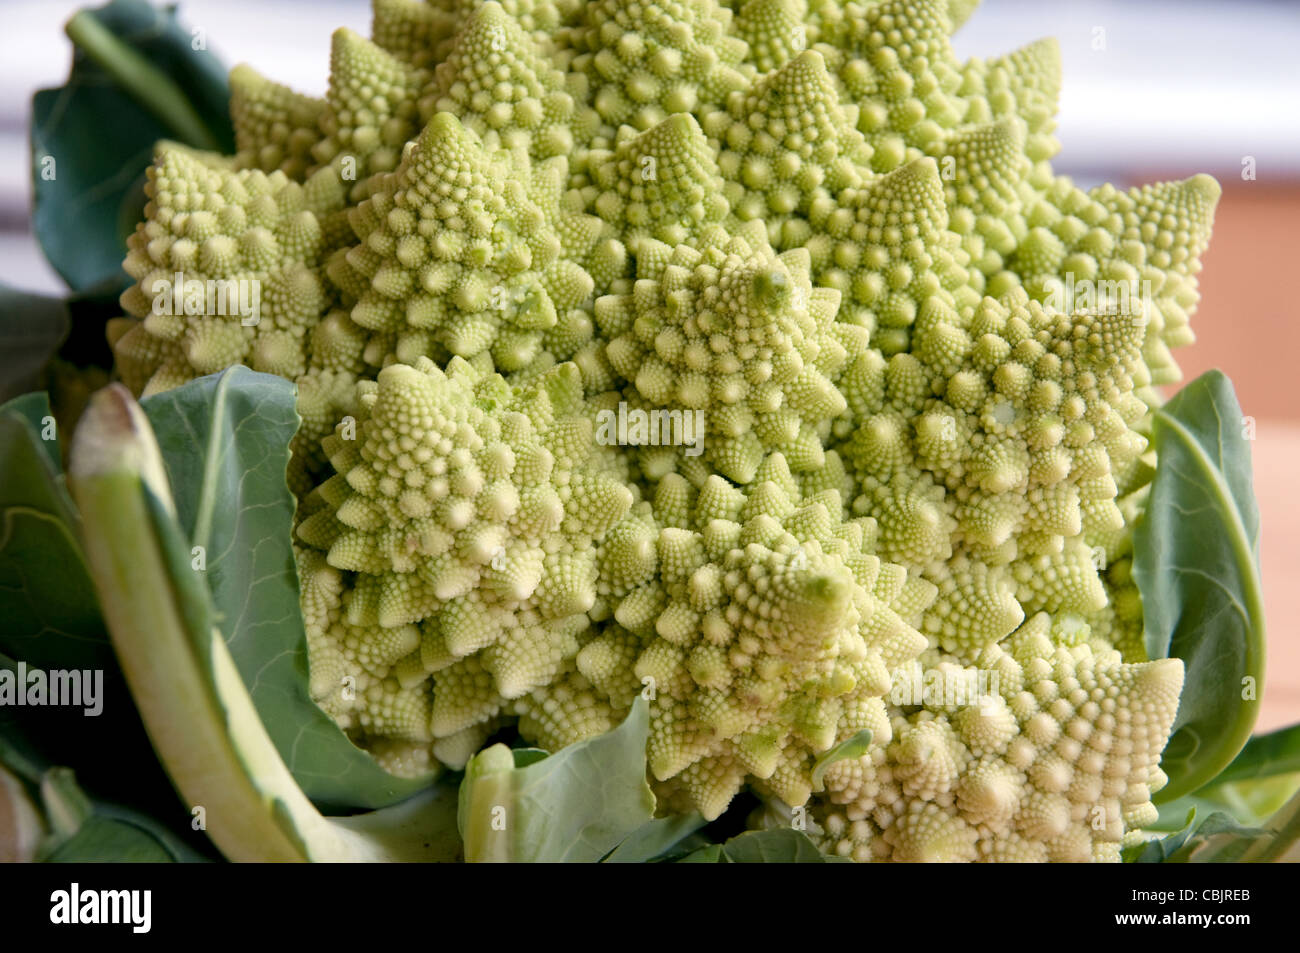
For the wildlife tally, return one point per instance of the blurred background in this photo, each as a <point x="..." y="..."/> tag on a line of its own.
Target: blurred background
<point x="1152" y="90"/>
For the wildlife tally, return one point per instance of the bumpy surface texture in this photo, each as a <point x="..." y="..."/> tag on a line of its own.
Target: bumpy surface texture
<point x="747" y="356"/>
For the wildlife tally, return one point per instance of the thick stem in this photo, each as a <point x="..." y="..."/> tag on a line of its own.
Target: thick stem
<point x="197" y="712"/>
<point x="488" y="787"/>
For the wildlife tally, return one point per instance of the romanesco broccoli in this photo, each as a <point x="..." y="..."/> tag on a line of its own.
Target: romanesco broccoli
<point x="920" y="365"/>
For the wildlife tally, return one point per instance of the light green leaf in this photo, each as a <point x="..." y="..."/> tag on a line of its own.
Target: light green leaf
<point x="1259" y="781"/>
<point x="778" y="846"/>
<point x="1196" y="565"/>
<point x="420" y="829"/>
<point x="573" y="806"/>
<point x="854" y="747"/>
<point x="1220" y="840"/>
<point x="1265" y="756"/>
<point x="1278" y="841"/>
<point x="225" y="445"/>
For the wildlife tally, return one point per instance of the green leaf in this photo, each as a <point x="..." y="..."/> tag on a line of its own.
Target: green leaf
<point x="1258" y="782"/>
<point x="420" y="829"/>
<point x="1265" y="756"/>
<point x="52" y="618"/>
<point x="655" y="838"/>
<point x="705" y="855"/>
<point x="779" y="846"/>
<point x="1222" y="838"/>
<point x="90" y="831"/>
<point x="526" y="756"/>
<point x="22" y="829"/>
<point x="573" y="806"/>
<point x="1196" y="565"/>
<point x="32" y="327"/>
<point x="136" y="63"/>
<point x="76" y="826"/>
<point x="1219" y="839"/>
<point x="854" y="747"/>
<point x="225" y="445"/>
<point x="108" y="840"/>
<point x="1279" y="841"/>
<point x="184" y="682"/>
<point x="1158" y="850"/>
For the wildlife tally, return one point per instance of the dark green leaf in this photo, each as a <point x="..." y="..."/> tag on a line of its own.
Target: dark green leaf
<point x="51" y="615"/>
<point x="107" y="840"/>
<point x="90" y="199"/>
<point x="32" y="327"/>
<point x="687" y="845"/>
<point x="88" y="831"/>
<point x="52" y="621"/>
<point x="224" y="440"/>
<point x="526" y="756"/>
<point x="705" y="855"/>
<point x="655" y="838"/>
<point x="82" y="827"/>
<point x="1196" y="566"/>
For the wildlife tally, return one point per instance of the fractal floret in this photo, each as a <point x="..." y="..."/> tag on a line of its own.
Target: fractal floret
<point x="729" y="330"/>
<point x="997" y="447"/>
<point x="458" y="255"/>
<point x="227" y="271"/>
<point x="882" y="382"/>
<point x="759" y="625"/>
<point x="464" y="513"/>
<point x="1052" y="758"/>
